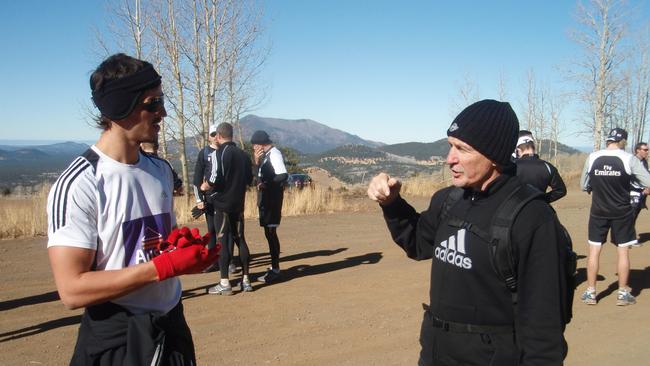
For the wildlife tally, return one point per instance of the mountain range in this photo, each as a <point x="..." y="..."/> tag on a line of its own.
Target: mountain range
<point x="303" y="135"/>
<point x="347" y="156"/>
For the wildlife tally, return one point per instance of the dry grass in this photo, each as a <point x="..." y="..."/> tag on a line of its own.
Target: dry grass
<point x="425" y="184"/>
<point x="24" y="216"/>
<point x="569" y="166"/>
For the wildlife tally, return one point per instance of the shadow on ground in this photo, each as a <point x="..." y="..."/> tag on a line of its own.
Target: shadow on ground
<point x="303" y="270"/>
<point x="29" y="300"/>
<point x="39" y="328"/>
<point x="264" y="259"/>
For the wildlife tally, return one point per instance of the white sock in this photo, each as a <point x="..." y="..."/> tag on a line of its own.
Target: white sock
<point x="591" y="289"/>
<point x="225" y="282"/>
<point x="245" y="279"/>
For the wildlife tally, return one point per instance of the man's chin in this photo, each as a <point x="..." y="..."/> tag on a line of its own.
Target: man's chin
<point x="458" y="182"/>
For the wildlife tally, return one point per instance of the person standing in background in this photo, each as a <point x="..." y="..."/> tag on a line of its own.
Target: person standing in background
<point x="271" y="176"/>
<point x="230" y="177"/>
<point x="537" y="172"/>
<point x="639" y="194"/>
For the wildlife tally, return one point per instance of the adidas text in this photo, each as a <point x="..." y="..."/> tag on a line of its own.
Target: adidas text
<point x="452" y="251"/>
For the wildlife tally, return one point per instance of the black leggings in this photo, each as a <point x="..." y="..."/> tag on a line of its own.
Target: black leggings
<point x="209" y="218"/>
<point x="274" y="246"/>
<point x="230" y="230"/>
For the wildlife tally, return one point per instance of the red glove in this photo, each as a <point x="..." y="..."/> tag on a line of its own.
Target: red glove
<point x="184" y="252"/>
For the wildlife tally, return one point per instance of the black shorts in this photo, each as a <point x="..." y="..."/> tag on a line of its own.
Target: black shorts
<point x="270" y="207"/>
<point x="622" y="230"/>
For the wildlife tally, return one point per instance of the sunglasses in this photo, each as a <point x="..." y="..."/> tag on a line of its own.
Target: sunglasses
<point x="644" y="149"/>
<point x="154" y="104"/>
<point x="214" y="134"/>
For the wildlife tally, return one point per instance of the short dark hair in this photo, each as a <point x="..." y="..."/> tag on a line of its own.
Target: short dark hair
<point x="225" y="130"/>
<point x="525" y="133"/>
<point x="114" y="67"/>
<point x="638" y="146"/>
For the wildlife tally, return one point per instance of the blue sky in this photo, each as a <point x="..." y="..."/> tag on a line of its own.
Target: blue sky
<point x="388" y="71"/>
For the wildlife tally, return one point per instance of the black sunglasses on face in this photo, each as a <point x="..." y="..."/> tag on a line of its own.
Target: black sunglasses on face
<point x="154" y="104"/>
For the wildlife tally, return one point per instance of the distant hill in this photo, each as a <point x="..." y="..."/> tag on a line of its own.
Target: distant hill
<point x="418" y="150"/>
<point x="304" y="135"/>
<point x="31" y="165"/>
<point x="440" y="148"/>
<point x="346" y="156"/>
<point x="358" y="163"/>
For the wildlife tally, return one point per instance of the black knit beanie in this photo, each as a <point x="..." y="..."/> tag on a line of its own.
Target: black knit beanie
<point x="490" y="127"/>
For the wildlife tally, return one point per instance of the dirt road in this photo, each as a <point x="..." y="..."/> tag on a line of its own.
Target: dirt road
<point x="350" y="297"/>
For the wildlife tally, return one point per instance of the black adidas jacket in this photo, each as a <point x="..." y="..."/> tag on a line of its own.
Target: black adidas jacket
<point x="464" y="286"/>
<point x="202" y="169"/>
<point x="231" y="174"/>
<point x="541" y="175"/>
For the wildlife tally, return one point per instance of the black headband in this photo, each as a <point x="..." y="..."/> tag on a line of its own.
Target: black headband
<point x="117" y="98"/>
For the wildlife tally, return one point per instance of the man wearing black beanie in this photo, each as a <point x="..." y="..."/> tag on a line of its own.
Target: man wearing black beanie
<point x="476" y="315"/>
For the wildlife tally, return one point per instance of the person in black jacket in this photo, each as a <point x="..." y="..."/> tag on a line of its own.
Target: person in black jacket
<point x="537" y="172"/>
<point x="230" y="176"/>
<point x="202" y="170"/>
<point x="271" y="176"/>
<point x="472" y="318"/>
<point x="608" y="175"/>
<point x="151" y="149"/>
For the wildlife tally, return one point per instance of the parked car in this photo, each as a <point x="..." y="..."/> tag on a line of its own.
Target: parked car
<point x="298" y="181"/>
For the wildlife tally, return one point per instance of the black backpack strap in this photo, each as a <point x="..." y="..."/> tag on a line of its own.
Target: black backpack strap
<point x="452" y="198"/>
<point x="445" y="214"/>
<point x="504" y="254"/>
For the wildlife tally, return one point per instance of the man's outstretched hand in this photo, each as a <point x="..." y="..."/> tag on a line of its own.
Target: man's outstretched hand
<point x="384" y="189"/>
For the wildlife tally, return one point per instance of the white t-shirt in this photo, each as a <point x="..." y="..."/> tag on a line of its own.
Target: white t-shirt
<point x="120" y="210"/>
<point x="274" y="156"/>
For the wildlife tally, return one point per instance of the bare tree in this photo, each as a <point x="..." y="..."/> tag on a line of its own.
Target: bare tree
<point x="535" y="114"/>
<point x="603" y="26"/>
<point x="468" y="93"/>
<point x="556" y="103"/>
<point x="637" y="93"/>
<point x="502" y="87"/>
<point x="207" y="53"/>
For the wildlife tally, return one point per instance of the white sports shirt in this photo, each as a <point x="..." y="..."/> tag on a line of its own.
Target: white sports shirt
<point x="120" y="210"/>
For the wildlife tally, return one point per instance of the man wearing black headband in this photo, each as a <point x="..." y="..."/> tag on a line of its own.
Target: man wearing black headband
<point x="108" y="215"/>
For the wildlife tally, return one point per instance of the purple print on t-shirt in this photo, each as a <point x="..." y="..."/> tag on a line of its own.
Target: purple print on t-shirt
<point x="142" y="236"/>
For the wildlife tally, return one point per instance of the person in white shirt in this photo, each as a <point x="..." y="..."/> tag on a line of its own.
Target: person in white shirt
<point x="108" y="216"/>
<point x="271" y="176"/>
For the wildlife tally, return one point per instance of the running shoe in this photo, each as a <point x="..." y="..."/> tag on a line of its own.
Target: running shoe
<point x="245" y="286"/>
<point x="269" y="277"/>
<point x="220" y="290"/>
<point x="625" y="298"/>
<point x="588" y="298"/>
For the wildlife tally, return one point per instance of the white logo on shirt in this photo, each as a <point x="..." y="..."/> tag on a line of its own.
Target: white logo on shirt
<point x="452" y="251"/>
